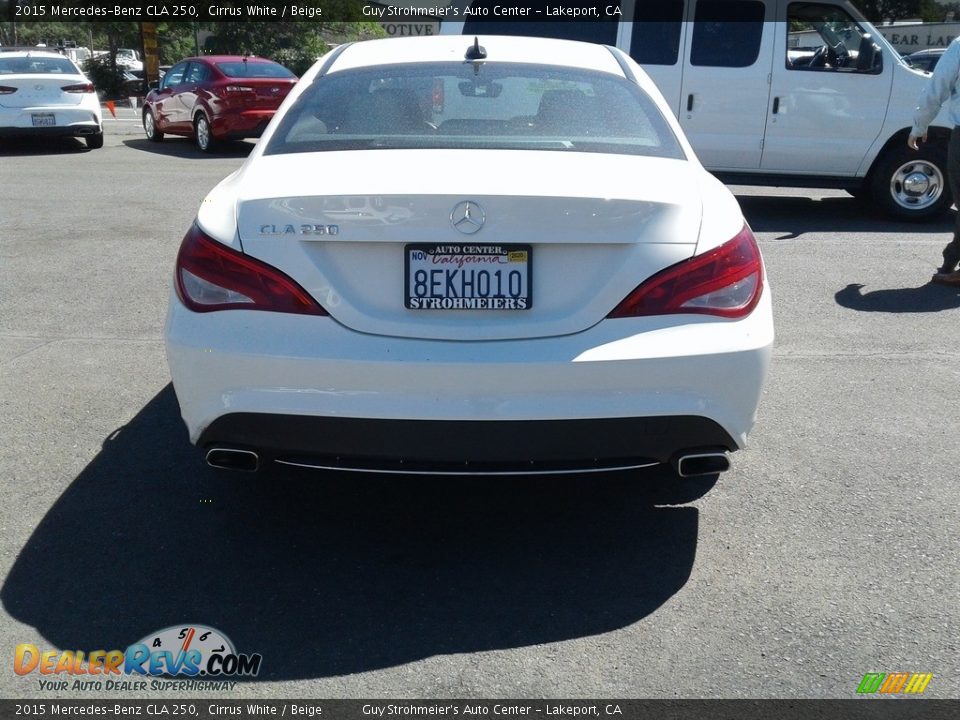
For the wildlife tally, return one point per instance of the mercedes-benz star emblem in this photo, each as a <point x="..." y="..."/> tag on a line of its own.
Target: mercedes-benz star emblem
<point x="467" y="217"/>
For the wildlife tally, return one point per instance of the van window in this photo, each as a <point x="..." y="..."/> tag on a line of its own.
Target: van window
<point x="656" y="32"/>
<point x="487" y="21"/>
<point x="825" y="38"/>
<point x="727" y="34"/>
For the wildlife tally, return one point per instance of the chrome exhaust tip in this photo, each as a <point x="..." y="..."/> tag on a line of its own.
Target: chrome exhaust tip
<point x="699" y="464"/>
<point x="233" y="459"/>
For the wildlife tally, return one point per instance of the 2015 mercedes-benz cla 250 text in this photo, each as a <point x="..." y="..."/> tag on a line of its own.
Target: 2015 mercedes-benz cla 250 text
<point x="452" y="255"/>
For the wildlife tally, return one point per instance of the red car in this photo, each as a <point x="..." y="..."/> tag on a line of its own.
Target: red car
<point x="216" y="97"/>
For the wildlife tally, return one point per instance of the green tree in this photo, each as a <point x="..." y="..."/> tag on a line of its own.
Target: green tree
<point x="295" y="44"/>
<point x="7" y="26"/>
<point x="175" y="41"/>
<point x="881" y="10"/>
<point x="939" y="11"/>
<point x="102" y="34"/>
<point x="34" y="33"/>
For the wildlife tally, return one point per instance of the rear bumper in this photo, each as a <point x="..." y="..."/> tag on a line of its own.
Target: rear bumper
<point x="66" y="131"/>
<point x="468" y="446"/>
<point x="629" y="389"/>
<point x="242" y="124"/>
<point x="70" y="121"/>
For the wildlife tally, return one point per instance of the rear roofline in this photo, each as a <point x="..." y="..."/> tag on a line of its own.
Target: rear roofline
<point x="500" y="48"/>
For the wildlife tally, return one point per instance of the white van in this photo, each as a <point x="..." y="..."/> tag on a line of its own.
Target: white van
<point x="129" y="58"/>
<point x="769" y="92"/>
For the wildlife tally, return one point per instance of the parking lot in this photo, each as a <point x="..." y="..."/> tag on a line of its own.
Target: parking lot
<point x="829" y="551"/>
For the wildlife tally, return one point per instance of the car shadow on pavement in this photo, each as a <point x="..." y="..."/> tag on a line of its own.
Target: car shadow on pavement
<point x="926" y="298"/>
<point x="793" y="216"/>
<point x="329" y="575"/>
<point x="13" y="147"/>
<point x="185" y="147"/>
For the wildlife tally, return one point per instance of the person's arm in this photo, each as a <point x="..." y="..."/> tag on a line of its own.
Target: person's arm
<point x="942" y="85"/>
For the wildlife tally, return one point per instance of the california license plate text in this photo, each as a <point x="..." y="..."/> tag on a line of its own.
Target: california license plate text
<point x="471" y="277"/>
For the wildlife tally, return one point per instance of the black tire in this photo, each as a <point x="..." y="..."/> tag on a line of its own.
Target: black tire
<point x="150" y="127"/>
<point x="203" y="134"/>
<point x="912" y="185"/>
<point x="94" y="142"/>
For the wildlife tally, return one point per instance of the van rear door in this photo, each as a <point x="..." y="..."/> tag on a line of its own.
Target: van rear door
<point x="725" y="89"/>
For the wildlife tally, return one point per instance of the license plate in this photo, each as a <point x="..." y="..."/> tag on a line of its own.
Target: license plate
<point x="43" y="119"/>
<point x="467" y="277"/>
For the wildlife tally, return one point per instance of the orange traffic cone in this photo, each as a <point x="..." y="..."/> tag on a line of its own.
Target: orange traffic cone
<point x="112" y="108"/>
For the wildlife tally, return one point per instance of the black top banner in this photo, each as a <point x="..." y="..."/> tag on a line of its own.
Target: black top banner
<point x="491" y="12"/>
<point x="187" y="10"/>
<point x="25" y="11"/>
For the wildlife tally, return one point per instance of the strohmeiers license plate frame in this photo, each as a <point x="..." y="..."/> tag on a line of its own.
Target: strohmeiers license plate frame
<point x="520" y="255"/>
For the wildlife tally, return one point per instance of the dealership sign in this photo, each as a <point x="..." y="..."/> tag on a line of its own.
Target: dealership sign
<point x="910" y="38"/>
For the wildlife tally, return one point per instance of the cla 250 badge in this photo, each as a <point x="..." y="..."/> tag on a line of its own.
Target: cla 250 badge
<point x="307" y="229"/>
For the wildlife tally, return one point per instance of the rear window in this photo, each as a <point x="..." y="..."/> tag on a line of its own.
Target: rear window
<point x="37" y="66"/>
<point x="490" y="105"/>
<point x="242" y="69"/>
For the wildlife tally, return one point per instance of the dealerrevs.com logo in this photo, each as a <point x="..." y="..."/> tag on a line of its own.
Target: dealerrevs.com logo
<point x="181" y="651"/>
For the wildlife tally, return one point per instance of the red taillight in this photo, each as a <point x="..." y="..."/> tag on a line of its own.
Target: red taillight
<point x="211" y="276"/>
<point x="726" y="281"/>
<point x="79" y="88"/>
<point x="234" y="95"/>
<point x="7" y="90"/>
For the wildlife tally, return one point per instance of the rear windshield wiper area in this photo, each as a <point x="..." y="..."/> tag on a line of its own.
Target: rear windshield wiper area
<point x="402" y="142"/>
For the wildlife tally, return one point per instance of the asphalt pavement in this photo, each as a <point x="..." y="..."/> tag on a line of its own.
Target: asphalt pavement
<point x="829" y="551"/>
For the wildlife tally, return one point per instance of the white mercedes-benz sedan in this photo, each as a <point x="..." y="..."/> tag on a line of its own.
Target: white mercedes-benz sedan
<point x="470" y="256"/>
<point x="44" y="93"/>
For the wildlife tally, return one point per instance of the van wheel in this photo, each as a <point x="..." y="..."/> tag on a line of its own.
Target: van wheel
<point x="911" y="185"/>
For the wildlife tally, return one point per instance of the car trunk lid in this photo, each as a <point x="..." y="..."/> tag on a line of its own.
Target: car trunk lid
<point x="258" y="93"/>
<point x="593" y="226"/>
<point x="40" y="90"/>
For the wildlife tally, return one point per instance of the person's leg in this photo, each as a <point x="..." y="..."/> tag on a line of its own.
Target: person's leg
<point x="951" y="253"/>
